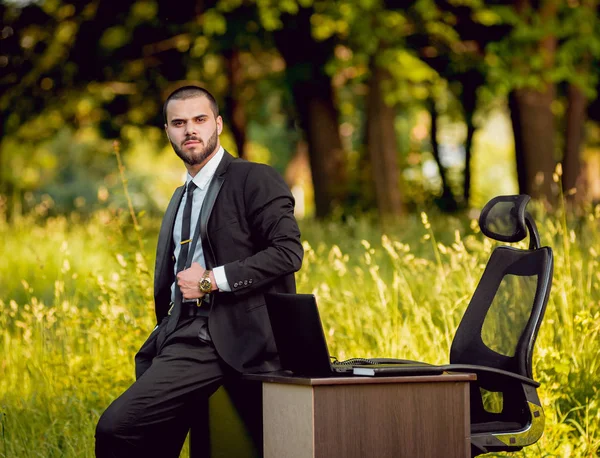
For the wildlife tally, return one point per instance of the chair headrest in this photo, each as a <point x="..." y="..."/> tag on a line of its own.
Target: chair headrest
<point x="504" y="218"/>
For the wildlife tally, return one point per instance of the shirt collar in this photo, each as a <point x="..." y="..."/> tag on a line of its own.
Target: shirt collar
<point x="206" y="173"/>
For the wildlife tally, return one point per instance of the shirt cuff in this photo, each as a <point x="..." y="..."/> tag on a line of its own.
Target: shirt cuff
<point x="221" y="279"/>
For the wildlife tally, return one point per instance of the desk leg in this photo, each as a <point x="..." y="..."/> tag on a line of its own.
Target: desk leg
<point x="288" y="421"/>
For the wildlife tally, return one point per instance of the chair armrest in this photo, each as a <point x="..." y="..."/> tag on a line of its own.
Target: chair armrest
<point x="485" y="371"/>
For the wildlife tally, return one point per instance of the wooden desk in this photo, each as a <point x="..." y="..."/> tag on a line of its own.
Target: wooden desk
<point x="366" y="417"/>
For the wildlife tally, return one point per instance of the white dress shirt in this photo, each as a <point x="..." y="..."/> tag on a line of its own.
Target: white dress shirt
<point x="201" y="180"/>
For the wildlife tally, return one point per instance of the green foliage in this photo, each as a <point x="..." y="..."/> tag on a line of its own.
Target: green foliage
<point x="77" y="303"/>
<point x="519" y="60"/>
<point x="214" y="23"/>
<point x="143" y="48"/>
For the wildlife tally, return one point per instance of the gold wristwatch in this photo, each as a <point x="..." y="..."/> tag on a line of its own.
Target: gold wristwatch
<point x="205" y="285"/>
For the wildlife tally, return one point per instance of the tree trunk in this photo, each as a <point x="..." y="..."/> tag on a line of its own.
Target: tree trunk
<point x="447" y="201"/>
<point x="576" y="116"/>
<point x="533" y="120"/>
<point x="327" y="159"/>
<point x="382" y="147"/>
<point x="362" y="191"/>
<point x="515" y="118"/>
<point x="468" y="156"/>
<point x="470" y="82"/>
<point x="234" y="108"/>
<point x="3" y="180"/>
<point x="311" y="88"/>
<point x="533" y="125"/>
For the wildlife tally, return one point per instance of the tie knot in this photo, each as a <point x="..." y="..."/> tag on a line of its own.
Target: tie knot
<point x="190" y="187"/>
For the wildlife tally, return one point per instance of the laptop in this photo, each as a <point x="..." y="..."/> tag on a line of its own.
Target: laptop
<point x="301" y="343"/>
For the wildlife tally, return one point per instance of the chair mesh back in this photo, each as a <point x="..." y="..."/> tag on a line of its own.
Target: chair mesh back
<point x="504" y="323"/>
<point x="500" y="324"/>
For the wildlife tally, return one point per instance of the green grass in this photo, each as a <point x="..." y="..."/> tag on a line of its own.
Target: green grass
<point x="76" y="304"/>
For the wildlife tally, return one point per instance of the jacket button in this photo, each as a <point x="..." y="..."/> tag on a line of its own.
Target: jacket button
<point x="250" y="281"/>
<point x="235" y="285"/>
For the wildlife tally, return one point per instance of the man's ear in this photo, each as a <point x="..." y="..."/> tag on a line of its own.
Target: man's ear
<point x="219" y="125"/>
<point x="167" y="132"/>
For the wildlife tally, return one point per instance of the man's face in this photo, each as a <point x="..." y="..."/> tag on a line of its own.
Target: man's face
<point x="193" y="131"/>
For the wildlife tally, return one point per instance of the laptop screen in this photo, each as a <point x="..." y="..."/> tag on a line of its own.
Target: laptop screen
<point x="298" y="333"/>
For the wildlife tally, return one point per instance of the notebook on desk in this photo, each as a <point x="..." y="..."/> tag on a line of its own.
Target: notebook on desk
<point x="390" y="370"/>
<point x="301" y="343"/>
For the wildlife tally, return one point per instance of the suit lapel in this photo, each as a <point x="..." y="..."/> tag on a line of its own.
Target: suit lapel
<point x="209" y="201"/>
<point x="165" y="239"/>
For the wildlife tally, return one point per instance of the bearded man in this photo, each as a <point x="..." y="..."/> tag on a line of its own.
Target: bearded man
<point x="228" y="237"/>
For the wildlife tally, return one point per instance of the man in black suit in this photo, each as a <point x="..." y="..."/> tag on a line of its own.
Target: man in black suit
<point x="228" y="237"/>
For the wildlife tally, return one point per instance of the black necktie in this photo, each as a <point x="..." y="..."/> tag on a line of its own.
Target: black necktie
<point x="185" y="227"/>
<point x="183" y="254"/>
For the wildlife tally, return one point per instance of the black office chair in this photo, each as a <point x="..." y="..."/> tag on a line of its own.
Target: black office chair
<point x="497" y="333"/>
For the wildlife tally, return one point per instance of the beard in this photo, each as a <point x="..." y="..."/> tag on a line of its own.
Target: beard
<point x="201" y="153"/>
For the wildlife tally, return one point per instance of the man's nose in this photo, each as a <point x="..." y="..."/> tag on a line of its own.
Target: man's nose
<point x="190" y="129"/>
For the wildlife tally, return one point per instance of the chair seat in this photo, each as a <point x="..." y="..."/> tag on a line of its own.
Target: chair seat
<point x="496" y="427"/>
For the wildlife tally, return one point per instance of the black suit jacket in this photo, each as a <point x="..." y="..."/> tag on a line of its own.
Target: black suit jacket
<point x="247" y="224"/>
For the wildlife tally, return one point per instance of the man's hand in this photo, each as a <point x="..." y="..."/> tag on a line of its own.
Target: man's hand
<point x="188" y="281"/>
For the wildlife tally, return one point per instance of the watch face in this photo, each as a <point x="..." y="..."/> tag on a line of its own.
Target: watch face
<point x="205" y="285"/>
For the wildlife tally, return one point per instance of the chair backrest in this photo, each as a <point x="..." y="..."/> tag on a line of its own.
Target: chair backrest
<point x="500" y="325"/>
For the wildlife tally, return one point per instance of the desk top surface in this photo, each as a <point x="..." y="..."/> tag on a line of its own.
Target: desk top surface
<point x="287" y="378"/>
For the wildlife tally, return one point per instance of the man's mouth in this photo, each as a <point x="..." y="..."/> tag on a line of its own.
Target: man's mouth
<point x="190" y="142"/>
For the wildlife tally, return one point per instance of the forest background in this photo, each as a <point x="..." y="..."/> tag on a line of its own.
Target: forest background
<point x="393" y="122"/>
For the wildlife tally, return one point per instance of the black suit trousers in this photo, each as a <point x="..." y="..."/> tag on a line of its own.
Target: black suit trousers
<point x="176" y="374"/>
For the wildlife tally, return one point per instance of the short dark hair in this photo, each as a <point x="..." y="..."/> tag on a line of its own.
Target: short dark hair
<point x="188" y="92"/>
